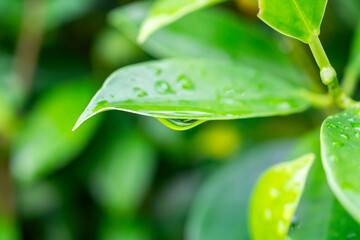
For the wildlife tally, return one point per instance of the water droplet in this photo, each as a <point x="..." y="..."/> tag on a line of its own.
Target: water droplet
<point x="331" y="125"/>
<point x="274" y="192"/>
<point x="357" y="135"/>
<point x="139" y="92"/>
<point x="351" y="120"/>
<point x="333" y="158"/>
<point x="180" y="124"/>
<point x="185" y="82"/>
<point x="345" y="136"/>
<point x="281" y="228"/>
<point x="337" y="144"/>
<point x="163" y="87"/>
<point x="355" y="126"/>
<point x="231" y="96"/>
<point x="288" y="211"/>
<point x="268" y="214"/>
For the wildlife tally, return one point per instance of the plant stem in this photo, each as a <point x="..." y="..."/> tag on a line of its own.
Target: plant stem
<point x="328" y="74"/>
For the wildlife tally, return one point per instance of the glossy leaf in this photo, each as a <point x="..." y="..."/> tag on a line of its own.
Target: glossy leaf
<point x="164" y="12"/>
<point x="45" y="142"/>
<point x="121" y="179"/>
<point x="220" y="208"/>
<point x="195" y="89"/>
<point x="300" y="19"/>
<point x="239" y="41"/>
<point x="319" y="215"/>
<point x="276" y="197"/>
<point x="340" y="142"/>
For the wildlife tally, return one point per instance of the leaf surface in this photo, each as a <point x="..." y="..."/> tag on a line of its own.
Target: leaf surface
<point x="276" y="197"/>
<point x="300" y="19"/>
<point x="340" y="143"/>
<point x="164" y="12"/>
<point x="195" y="89"/>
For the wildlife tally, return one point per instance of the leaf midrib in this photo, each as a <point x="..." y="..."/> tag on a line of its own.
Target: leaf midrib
<point x="302" y="15"/>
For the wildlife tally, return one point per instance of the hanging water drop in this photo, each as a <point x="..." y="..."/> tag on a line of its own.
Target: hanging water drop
<point x="180" y="124"/>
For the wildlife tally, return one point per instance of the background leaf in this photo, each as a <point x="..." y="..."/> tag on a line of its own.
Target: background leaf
<point x="164" y="12"/>
<point x="195" y="89"/>
<point x="300" y="19"/>
<point x="215" y="33"/>
<point x="121" y="179"/>
<point x="340" y="140"/>
<point x="319" y="215"/>
<point x="276" y="197"/>
<point x="220" y="209"/>
<point x="45" y="142"/>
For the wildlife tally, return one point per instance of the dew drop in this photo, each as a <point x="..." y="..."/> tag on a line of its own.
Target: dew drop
<point x="351" y="236"/>
<point x="288" y="211"/>
<point x="274" y="192"/>
<point x="139" y="92"/>
<point x="281" y="228"/>
<point x="357" y="135"/>
<point x="345" y="136"/>
<point x="333" y="158"/>
<point x="337" y="144"/>
<point x="185" y="82"/>
<point x="163" y="87"/>
<point x="351" y="120"/>
<point x="268" y="214"/>
<point x="331" y="125"/>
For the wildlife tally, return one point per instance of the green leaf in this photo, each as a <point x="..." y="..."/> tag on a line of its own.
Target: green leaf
<point x="340" y="142"/>
<point x="300" y="19"/>
<point x="195" y="89"/>
<point x="319" y="215"/>
<point x="121" y="179"/>
<point x="220" y="208"/>
<point x="276" y="197"/>
<point x="164" y="12"/>
<point x="240" y="40"/>
<point x="45" y="142"/>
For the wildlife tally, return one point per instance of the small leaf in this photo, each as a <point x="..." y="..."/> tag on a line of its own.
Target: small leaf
<point x="165" y="12"/>
<point x="220" y="208"/>
<point x="276" y="197"/>
<point x="340" y="142"/>
<point x="45" y="142"/>
<point x="195" y="89"/>
<point x="300" y="19"/>
<point x="240" y="40"/>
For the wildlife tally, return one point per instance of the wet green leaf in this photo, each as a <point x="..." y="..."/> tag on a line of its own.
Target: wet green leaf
<point x="120" y="180"/>
<point x="220" y="208"/>
<point x="340" y="142"/>
<point x="276" y="197"/>
<point x="45" y="142"/>
<point x="319" y="215"/>
<point x="300" y="19"/>
<point x="164" y="12"/>
<point x="240" y="40"/>
<point x="195" y="89"/>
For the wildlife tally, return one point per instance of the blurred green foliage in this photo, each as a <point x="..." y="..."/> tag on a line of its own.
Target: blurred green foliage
<point x="131" y="178"/>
